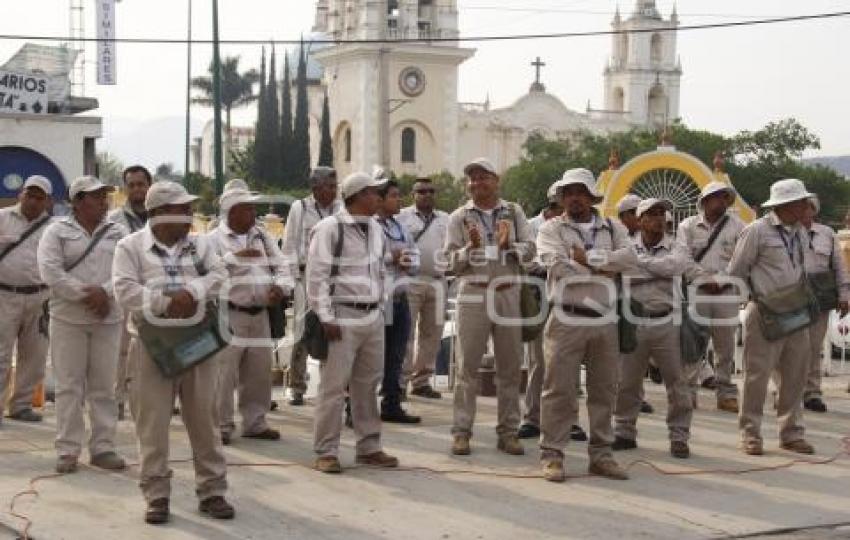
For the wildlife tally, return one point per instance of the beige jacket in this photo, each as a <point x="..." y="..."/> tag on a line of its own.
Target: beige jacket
<point x="695" y="231"/>
<point x="20" y="267"/>
<point x="824" y="254"/>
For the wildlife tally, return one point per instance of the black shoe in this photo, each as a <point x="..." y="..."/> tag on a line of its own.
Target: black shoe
<point x="679" y="449"/>
<point x="621" y="443"/>
<point x="646" y="408"/>
<point x="216" y="507"/>
<point x="528" y="431"/>
<point x="426" y="392"/>
<point x="297" y="400"/>
<point x="157" y="512"/>
<point x="267" y="434"/>
<point x="710" y="383"/>
<point x="399" y="416"/>
<point x="274" y="406"/>
<point x="26" y="415"/>
<point x="655" y="375"/>
<point x="815" y="404"/>
<point x="577" y="434"/>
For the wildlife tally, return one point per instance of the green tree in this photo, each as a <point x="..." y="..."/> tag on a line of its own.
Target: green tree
<point x="301" y="131"/>
<point x="286" y="137"/>
<point x="203" y="187"/>
<point x="273" y="121"/>
<point x="109" y="168"/>
<point x="258" y="162"/>
<point x="326" y="150"/>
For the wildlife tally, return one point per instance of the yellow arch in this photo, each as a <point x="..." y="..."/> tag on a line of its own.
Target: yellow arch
<point x="614" y="185"/>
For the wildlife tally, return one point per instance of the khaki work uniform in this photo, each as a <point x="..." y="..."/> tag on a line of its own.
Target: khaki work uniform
<point x="651" y="276"/>
<point x="485" y="276"/>
<point x="22" y="294"/>
<point x="426" y="296"/>
<point x="246" y="363"/>
<point x="303" y="216"/>
<point x="143" y="271"/>
<point x="356" y="361"/>
<point x="768" y="255"/>
<point x="582" y="325"/>
<point x="534" y="350"/>
<point x="83" y="346"/>
<point x="133" y="222"/>
<point x="823" y="255"/>
<point x="694" y="232"/>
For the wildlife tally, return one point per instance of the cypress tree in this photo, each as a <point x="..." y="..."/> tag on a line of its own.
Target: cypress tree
<point x="260" y="138"/>
<point x="286" y="137"/>
<point x="326" y="151"/>
<point x="275" y="176"/>
<point x="301" y="159"/>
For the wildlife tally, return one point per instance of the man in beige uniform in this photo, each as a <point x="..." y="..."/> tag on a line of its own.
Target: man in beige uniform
<point x="304" y="214"/>
<point x="259" y="277"/>
<point x="75" y="261"/>
<point x="488" y="241"/>
<point x="133" y="216"/>
<point x="161" y="272"/>
<point x="350" y="309"/>
<point x="426" y="293"/>
<point x="582" y="326"/>
<point x="652" y="268"/>
<point x="823" y="255"/>
<point x="718" y="302"/>
<point x="22" y="294"/>
<point x="770" y="255"/>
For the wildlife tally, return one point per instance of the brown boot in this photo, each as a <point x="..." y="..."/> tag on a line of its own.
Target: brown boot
<point x="157" y="511"/>
<point x="608" y="468"/>
<point x="378" y="459"/>
<point x="328" y="464"/>
<point x="460" y="446"/>
<point x="510" y="444"/>
<point x="800" y="446"/>
<point x="553" y="469"/>
<point x="216" y="507"/>
<point x="729" y="404"/>
<point x="752" y="447"/>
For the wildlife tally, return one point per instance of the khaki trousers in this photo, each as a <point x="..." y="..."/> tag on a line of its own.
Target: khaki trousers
<point x="534" y="387"/>
<point x="20" y="326"/>
<point x="475" y="325"/>
<point x="121" y="376"/>
<point x="565" y="347"/>
<point x="426" y="301"/>
<point x="817" y="333"/>
<point x="249" y="371"/>
<point x="661" y="342"/>
<point x="788" y="360"/>
<point x="85" y="357"/>
<point x="152" y="399"/>
<point x="355" y="362"/>
<point x="297" y="373"/>
<point x="723" y="340"/>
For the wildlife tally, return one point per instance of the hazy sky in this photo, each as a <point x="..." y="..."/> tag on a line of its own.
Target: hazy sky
<point x="734" y="79"/>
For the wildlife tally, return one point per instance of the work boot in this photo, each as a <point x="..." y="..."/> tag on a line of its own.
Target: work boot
<point x="608" y="468"/>
<point x="528" y="431"/>
<point x="729" y="404"/>
<point x="815" y="404"/>
<point x="426" y="392"/>
<point x="66" y="464"/>
<point x="267" y="434"/>
<point x="621" y="443"/>
<point x="752" y="447"/>
<point x="216" y="507"/>
<point x="460" y="446"/>
<point x="328" y="464"/>
<point x="399" y="416"/>
<point x="157" y="512"/>
<point x="553" y="469"/>
<point x="109" y="461"/>
<point x="799" y="446"/>
<point x="26" y="415"/>
<point x="680" y="449"/>
<point x="510" y="444"/>
<point x="378" y="459"/>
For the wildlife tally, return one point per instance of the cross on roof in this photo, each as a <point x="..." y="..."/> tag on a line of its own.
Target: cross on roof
<point x="538" y="64"/>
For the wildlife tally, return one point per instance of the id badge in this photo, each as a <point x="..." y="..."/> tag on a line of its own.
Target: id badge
<point x="491" y="252"/>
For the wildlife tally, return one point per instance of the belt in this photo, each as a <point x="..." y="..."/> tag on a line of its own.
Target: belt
<point x="499" y="287"/>
<point x="583" y="311"/>
<point x="656" y="314"/>
<point x="25" y="289"/>
<point x="359" y="306"/>
<point x="250" y="310"/>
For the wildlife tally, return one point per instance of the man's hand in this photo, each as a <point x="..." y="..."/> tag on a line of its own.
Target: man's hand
<point x="474" y="235"/>
<point x="276" y="295"/>
<point x="504" y="234"/>
<point x="96" y="300"/>
<point x="843" y="308"/>
<point x="181" y="306"/>
<point x="333" y="332"/>
<point x="580" y="256"/>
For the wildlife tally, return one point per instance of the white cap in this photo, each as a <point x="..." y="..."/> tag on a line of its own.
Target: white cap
<point x="814" y="200"/>
<point x="86" y="184"/>
<point x="232" y="197"/>
<point x="552" y="193"/>
<point x="167" y="192"/>
<point x="647" y="204"/>
<point x="356" y="182"/>
<point x="480" y="163"/>
<point x="40" y="182"/>
<point x="629" y="202"/>
<point x="714" y="187"/>
<point x="786" y="191"/>
<point x="583" y="177"/>
<point x="236" y="183"/>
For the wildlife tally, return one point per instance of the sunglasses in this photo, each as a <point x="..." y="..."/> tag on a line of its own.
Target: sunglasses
<point x="426" y="191"/>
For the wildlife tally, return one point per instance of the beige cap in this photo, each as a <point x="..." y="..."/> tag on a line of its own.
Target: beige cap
<point x="87" y="184"/>
<point x="356" y="182"/>
<point x="480" y="163"/>
<point x="583" y="177"/>
<point x="39" y="182"/>
<point x="647" y="204"/>
<point x="629" y="202"/>
<point x="232" y="197"/>
<point x="236" y="183"/>
<point x="786" y="191"/>
<point x="714" y="187"/>
<point x="167" y="192"/>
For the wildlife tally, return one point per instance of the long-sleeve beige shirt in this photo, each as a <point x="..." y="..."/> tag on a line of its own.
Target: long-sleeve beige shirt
<point x="304" y="214"/>
<point x="362" y="269"/>
<point x="430" y="242"/>
<point x="20" y="267"/>
<point x="62" y="244"/>
<point x="695" y="231"/>
<point x="487" y="263"/>
<point x="250" y="279"/>
<point x="568" y="281"/>
<point x="769" y="255"/>
<point x="144" y="270"/>
<point x="823" y="254"/>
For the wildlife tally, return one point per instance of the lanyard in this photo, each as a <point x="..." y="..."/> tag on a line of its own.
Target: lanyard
<point x="490" y="228"/>
<point x="385" y="223"/>
<point x="171" y="266"/>
<point x="319" y="211"/>
<point x="426" y="221"/>
<point x="789" y="244"/>
<point x="592" y="244"/>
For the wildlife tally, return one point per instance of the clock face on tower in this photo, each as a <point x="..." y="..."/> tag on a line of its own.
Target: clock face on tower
<point x="411" y="81"/>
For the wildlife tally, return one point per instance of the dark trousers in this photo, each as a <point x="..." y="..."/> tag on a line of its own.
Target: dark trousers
<point x="395" y="347"/>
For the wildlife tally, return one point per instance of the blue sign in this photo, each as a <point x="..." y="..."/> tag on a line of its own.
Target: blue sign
<point x="18" y="163"/>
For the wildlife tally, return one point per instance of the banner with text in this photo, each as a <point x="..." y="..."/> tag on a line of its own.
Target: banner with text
<point x="106" y="61"/>
<point x="22" y="93"/>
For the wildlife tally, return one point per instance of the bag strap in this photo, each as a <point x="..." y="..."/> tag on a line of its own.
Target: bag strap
<point x="340" y="232"/>
<point x="711" y="239"/>
<point x="196" y="260"/>
<point x="425" y="228"/>
<point x="98" y="236"/>
<point x="29" y="232"/>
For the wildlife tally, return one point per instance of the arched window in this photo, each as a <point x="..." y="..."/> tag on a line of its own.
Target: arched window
<point x="657" y="107"/>
<point x="408" y="145"/>
<point x="655" y="49"/>
<point x="347" y="143"/>
<point x="619" y="103"/>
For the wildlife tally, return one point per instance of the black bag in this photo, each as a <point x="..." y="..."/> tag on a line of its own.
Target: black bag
<point x="824" y="286"/>
<point x="787" y="310"/>
<point x="276" y="312"/>
<point x="313" y="339"/>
